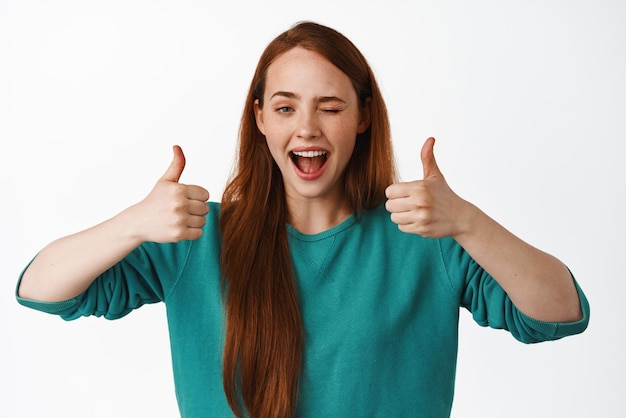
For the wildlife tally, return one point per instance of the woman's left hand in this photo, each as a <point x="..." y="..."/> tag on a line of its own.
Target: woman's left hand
<point x="537" y="283"/>
<point x="428" y="207"/>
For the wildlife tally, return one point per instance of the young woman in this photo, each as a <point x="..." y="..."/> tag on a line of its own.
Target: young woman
<point x="319" y="286"/>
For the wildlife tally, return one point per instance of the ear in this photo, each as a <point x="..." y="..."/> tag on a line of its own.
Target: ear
<point x="365" y="116"/>
<point x="258" y="116"/>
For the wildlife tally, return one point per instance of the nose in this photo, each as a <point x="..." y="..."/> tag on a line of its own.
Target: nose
<point x="308" y="125"/>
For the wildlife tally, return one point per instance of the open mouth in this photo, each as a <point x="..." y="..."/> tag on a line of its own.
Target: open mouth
<point x="309" y="162"/>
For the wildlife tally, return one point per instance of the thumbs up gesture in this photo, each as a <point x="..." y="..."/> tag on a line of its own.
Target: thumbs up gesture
<point x="172" y="211"/>
<point x="427" y="207"/>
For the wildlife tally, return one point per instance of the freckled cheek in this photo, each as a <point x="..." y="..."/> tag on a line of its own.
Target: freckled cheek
<point x="347" y="135"/>
<point x="278" y="132"/>
<point x="277" y="148"/>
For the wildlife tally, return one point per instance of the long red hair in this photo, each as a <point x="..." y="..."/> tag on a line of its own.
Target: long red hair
<point x="263" y="348"/>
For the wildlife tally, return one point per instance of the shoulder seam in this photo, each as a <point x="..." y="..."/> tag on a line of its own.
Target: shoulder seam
<point x="180" y="273"/>
<point x="445" y="267"/>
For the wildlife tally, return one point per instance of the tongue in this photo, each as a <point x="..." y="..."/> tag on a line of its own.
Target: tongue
<point x="310" y="164"/>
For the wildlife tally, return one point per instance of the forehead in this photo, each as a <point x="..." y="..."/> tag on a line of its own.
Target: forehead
<point x="306" y="72"/>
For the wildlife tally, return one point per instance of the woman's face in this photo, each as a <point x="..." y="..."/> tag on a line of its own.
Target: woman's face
<point x="310" y="119"/>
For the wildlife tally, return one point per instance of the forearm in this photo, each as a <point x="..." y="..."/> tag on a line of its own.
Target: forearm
<point x="537" y="283"/>
<point x="172" y="212"/>
<point x="66" y="267"/>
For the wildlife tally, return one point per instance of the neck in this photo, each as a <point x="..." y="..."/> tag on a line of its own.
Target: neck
<point x="312" y="216"/>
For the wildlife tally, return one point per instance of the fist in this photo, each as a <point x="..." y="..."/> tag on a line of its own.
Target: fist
<point x="173" y="211"/>
<point x="426" y="207"/>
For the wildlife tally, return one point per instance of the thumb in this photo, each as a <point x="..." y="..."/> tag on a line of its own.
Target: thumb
<point x="429" y="164"/>
<point x="176" y="167"/>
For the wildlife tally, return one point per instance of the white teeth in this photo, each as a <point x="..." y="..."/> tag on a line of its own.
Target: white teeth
<point x="309" y="154"/>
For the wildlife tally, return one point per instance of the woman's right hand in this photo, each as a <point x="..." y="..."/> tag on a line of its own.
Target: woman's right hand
<point x="172" y="211"/>
<point x="66" y="267"/>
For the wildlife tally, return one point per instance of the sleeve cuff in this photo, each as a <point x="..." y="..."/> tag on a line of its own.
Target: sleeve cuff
<point x="556" y="330"/>
<point x="55" y="308"/>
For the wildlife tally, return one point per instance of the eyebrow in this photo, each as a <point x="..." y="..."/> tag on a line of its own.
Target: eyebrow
<point x="285" y="94"/>
<point x="322" y="99"/>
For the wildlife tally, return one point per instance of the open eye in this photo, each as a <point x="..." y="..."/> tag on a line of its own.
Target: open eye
<point x="284" y="109"/>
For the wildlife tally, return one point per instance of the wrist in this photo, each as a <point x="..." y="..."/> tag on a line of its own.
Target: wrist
<point x="127" y="226"/>
<point x="470" y="218"/>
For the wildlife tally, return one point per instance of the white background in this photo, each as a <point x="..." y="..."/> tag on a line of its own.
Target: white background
<point x="527" y="101"/>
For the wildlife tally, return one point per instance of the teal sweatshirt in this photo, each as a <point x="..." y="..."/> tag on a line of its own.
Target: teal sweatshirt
<point x="380" y="311"/>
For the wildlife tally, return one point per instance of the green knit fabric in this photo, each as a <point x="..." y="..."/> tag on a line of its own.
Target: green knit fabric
<point x="380" y="310"/>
